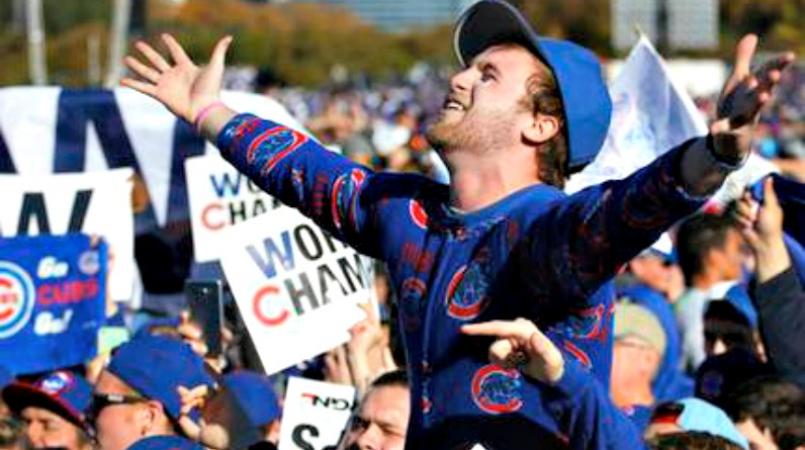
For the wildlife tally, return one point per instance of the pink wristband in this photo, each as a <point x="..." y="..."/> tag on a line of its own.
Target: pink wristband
<point x="205" y="111"/>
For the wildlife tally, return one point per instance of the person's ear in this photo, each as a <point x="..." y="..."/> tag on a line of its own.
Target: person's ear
<point x="149" y="416"/>
<point x="541" y="128"/>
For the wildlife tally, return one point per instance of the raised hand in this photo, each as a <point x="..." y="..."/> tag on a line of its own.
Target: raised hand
<point x="762" y="228"/>
<point x="183" y="87"/>
<point x="520" y="344"/>
<point x="744" y="95"/>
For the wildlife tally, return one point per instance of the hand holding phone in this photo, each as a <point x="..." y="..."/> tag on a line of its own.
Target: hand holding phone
<point x="205" y="304"/>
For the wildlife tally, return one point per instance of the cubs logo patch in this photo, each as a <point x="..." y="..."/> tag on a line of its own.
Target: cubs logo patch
<point x="587" y="323"/>
<point x="344" y="197"/>
<point x="496" y="390"/>
<point x="418" y="214"/>
<point x="17" y="298"/>
<point x="57" y="382"/>
<point x="466" y="293"/>
<point x="272" y="146"/>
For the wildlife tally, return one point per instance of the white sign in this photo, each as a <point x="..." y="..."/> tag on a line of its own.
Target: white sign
<point x="220" y="196"/>
<point x="297" y="288"/>
<point x="94" y="203"/>
<point x="314" y="414"/>
<point x="87" y="130"/>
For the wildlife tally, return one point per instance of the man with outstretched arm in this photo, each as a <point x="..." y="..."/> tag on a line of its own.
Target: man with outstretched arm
<point x="502" y="241"/>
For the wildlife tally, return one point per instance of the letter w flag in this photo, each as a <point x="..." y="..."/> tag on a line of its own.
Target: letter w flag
<point x="652" y="114"/>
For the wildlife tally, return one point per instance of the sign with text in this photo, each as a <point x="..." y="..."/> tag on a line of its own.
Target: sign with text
<point x="297" y="287"/>
<point x="220" y="196"/>
<point x="52" y="292"/>
<point x="46" y="130"/>
<point x="93" y="203"/>
<point x="314" y="414"/>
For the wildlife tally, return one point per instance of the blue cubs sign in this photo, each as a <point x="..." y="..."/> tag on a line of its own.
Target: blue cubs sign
<point x="52" y="292"/>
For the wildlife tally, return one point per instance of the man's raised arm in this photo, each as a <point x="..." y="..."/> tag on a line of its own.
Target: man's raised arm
<point x="597" y="230"/>
<point x="282" y="161"/>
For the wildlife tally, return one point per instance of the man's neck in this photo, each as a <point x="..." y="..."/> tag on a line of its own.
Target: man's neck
<point x="479" y="182"/>
<point x="706" y="280"/>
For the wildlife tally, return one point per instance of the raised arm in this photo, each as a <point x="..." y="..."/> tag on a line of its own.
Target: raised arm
<point x="284" y="162"/>
<point x="599" y="229"/>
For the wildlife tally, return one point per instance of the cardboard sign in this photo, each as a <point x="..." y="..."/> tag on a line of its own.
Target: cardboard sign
<point x="93" y="203"/>
<point x="52" y="292"/>
<point x="314" y="414"/>
<point x="220" y="196"/>
<point x="297" y="287"/>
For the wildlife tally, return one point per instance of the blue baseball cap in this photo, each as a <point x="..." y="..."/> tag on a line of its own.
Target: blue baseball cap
<point x="155" y="366"/>
<point x="578" y="73"/>
<point x="698" y="415"/>
<point x="255" y="394"/>
<point x="165" y="443"/>
<point x="62" y="392"/>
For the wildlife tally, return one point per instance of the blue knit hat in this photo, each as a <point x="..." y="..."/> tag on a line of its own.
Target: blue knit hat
<point x="578" y="73"/>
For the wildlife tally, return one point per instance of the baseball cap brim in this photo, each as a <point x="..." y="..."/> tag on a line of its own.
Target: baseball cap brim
<point x="489" y="23"/>
<point x="19" y="396"/>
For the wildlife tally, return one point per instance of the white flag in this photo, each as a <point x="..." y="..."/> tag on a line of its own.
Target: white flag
<point x="650" y="115"/>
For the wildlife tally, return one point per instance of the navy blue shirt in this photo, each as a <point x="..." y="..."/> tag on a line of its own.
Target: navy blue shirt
<point x="537" y="254"/>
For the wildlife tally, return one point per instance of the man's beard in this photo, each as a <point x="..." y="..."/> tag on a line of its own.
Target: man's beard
<point x="470" y="133"/>
<point x="447" y="135"/>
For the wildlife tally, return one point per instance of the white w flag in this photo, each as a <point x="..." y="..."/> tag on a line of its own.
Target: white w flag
<point x="650" y="115"/>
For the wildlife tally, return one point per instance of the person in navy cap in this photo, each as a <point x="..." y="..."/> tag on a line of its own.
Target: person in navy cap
<point x="255" y="394"/>
<point x="52" y="410"/>
<point x="502" y="240"/>
<point x="137" y="395"/>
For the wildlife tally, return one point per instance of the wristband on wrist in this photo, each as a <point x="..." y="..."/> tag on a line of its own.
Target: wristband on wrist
<point x="205" y="111"/>
<point x="723" y="164"/>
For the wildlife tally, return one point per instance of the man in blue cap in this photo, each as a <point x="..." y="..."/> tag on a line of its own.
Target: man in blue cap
<point x="502" y="240"/>
<point x="137" y="394"/>
<point x="52" y="410"/>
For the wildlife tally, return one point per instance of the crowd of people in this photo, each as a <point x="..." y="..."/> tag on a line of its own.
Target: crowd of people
<point x="626" y="316"/>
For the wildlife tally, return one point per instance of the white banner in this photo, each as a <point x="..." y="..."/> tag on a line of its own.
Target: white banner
<point x="50" y="129"/>
<point x="314" y="414"/>
<point x="296" y="287"/>
<point x="94" y="203"/>
<point x="219" y="197"/>
<point x="651" y="114"/>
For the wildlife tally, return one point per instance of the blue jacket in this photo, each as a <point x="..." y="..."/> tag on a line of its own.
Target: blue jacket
<point x="536" y="254"/>
<point x="671" y="383"/>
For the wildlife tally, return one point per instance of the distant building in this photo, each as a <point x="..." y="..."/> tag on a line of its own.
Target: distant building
<point x="400" y="15"/>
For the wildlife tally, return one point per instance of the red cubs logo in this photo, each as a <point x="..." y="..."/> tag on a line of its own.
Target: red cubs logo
<point x="418" y="214"/>
<point x="17" y="298"/>
<point x="466" y="293"/>
<point x="496" y="390"/>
